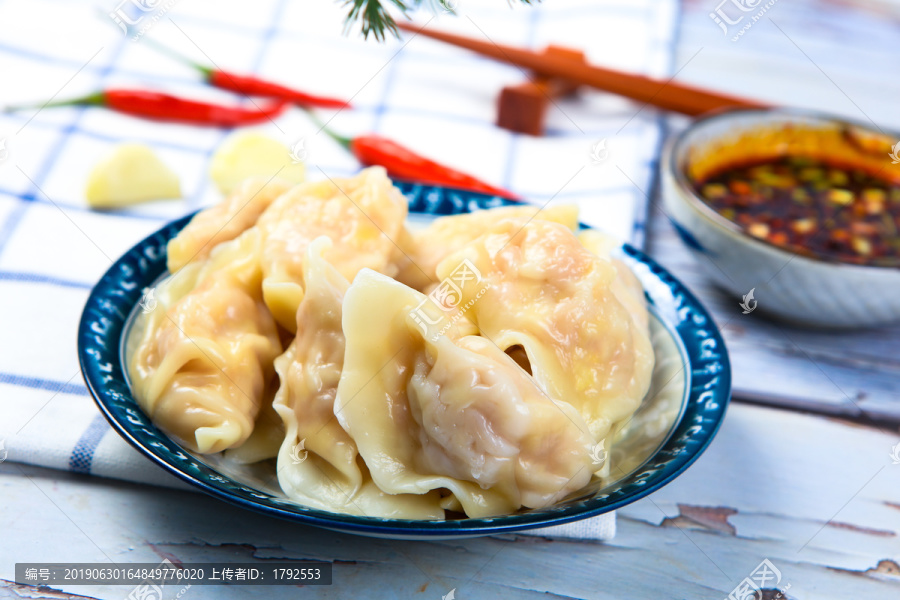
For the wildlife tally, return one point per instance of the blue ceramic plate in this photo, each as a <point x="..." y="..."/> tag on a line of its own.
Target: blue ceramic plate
<point x="681" y="414"/>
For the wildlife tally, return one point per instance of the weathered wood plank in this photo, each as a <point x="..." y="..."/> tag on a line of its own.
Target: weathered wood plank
<point x="771" y="481"/>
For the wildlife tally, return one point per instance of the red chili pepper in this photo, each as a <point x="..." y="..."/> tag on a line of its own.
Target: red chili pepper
<point x="250" y="85"/>
<point x="253" y="86"/>
<point x="403" y="163"/>
<point x="165" y="107"/>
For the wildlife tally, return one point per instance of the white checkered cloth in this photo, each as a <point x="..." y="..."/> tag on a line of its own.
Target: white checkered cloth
<point x="434" y="98"/>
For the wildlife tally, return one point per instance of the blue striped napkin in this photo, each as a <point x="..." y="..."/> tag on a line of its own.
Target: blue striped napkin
<point x="434" y="98"/>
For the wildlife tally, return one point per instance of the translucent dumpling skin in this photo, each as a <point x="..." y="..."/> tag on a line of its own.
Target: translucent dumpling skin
<point x="421" y="251"/>
<point x="296" y="329"/>
<point x="326" y="473"/>
<point x="223" y="222"/>
<point x="450" y="412"/>
<point x="362" y="216"/>
<point x="555" y="299"/>
<point x="483" y="418"/>
<point x="206" y="351"/>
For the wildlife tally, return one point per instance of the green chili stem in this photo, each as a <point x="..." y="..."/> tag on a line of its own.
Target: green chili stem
<point x="207" y="71"/>
<point x="344" y="141"/>
<point x="95" y="99"/>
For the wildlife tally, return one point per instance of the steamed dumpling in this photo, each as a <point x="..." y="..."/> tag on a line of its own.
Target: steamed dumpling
<point x="421" y="251"/>
<point x="362" y="215"/>
<point x="205" y="355"/>
<point x="490" y="394"/>
<point x="325" y="473"/>
<point x="224" y="221"/>
<point x="625" y="286"/>
<point x="544" y="292"/>
<point x="266" y="437"/>
<point x="432" y="409"/>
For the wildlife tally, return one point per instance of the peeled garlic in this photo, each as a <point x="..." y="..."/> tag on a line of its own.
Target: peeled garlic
<point x="132" y="173"/>
<point x="252" y="153"/>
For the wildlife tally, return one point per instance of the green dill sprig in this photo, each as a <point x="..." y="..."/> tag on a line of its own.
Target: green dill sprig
<point x="373" y="16"/>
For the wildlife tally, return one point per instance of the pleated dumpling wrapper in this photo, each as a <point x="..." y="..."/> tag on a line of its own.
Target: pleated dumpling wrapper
<point x="432" y="408"/>
<point x="555" y="299"/>
<point x="204" y="355"/>
<point x="626" y="286"/>
<point x="362" y="215"/>
<point x="318" y="462"/>
<point x="420" y="251"/>
<point x="224" y="221"/>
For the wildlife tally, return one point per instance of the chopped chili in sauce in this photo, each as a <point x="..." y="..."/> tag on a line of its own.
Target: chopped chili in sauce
<point x="810" y="207"/>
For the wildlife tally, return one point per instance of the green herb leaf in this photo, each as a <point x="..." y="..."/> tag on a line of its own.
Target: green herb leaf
<point x="373" y="16"/>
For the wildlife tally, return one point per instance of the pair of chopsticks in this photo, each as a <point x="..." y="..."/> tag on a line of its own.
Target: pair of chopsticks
<point x="667" y="94"/>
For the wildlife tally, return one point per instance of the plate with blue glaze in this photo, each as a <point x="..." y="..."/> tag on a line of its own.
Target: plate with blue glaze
<point x="678" y="418"/>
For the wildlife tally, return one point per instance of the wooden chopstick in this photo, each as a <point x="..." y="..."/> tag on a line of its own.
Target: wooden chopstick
<point x="669" y="95"/>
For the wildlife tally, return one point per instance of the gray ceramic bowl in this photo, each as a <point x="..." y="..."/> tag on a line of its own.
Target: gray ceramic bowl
<point x="807" y="291"/>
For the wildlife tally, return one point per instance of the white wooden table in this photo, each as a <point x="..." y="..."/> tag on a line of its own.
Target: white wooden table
<point x="817" y="496"/>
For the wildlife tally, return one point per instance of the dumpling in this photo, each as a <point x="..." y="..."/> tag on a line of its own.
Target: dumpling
<point x="625" y="286"/>
<point x="362" y="215"/>
<point x="317" y="462"/>
<point x="201" y="365"/>
<point x="266" y="437"/>
<point x="224" y="221"/>
<point x="533" y="285"/>
<point x="432" y="409"/>
<point x="422" y="250"/>
<point x="492" y="393"/>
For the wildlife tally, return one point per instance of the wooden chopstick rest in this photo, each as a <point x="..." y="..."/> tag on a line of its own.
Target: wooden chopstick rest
<point x="523" y="107"/>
